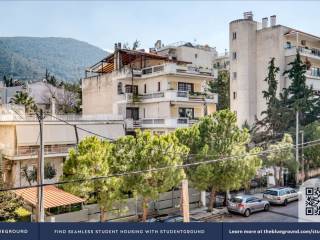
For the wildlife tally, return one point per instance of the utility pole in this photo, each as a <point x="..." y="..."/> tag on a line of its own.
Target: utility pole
<point x="185" y="201"/>
<point x="302" y="156"/>
<point x="297" y="146"/>
<point x="40" y="171"/>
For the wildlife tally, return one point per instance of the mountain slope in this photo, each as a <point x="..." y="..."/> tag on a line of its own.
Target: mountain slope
<point x="26" y="58"/>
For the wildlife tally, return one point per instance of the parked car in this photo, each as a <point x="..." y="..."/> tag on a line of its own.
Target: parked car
<point x="281" y="195"/>
<point x="247" y="204"/>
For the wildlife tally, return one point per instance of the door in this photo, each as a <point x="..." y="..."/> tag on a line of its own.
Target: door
<point x="133" y="113"/>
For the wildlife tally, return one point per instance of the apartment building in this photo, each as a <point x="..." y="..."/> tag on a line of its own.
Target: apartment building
<point x="222" y="62"/>
<point x="201" y="56"/>
<point x="19" y="142"/>
<point x="151" y="90"/>
<point x="252" y="45"/>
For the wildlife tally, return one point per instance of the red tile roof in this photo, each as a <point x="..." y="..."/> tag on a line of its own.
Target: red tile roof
<point x="53" y="197"/>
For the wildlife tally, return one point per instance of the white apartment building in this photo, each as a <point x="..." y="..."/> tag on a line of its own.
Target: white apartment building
<point x="150" y="90"/>
<point x="199" y="56"/>
<point x="19" y="141"/>
<point x="252" y="45"/>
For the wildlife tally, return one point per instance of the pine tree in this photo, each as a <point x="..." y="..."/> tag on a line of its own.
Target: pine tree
<point x="301" y="97"/>
<point x="221" y="87"/>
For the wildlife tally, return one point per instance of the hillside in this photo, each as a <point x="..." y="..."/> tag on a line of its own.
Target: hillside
<point x="26" y="58"/>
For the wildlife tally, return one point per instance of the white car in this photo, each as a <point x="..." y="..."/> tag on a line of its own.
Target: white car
<point x="281" y="195"/>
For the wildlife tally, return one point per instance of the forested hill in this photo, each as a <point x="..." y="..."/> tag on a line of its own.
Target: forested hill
<point x="27" y="58"/>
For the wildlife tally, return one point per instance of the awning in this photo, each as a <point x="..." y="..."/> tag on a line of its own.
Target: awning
<point x="110" y="131"/>
<point x="53" y="197"/>
<point x="28" y="135"/>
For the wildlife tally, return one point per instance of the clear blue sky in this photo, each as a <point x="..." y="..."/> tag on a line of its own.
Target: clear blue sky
<point x="104" y="22"/>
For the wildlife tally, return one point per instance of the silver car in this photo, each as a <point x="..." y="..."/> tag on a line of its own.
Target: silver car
<point x="247" y="204"/>
<point x="281" y="195"/>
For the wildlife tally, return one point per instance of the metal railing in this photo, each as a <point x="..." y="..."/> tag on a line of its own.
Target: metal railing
<point x="48" y="150"/>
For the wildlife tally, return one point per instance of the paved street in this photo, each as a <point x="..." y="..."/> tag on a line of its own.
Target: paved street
<point x="287" y="213"/>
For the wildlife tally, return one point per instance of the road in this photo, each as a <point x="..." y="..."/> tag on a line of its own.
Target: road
<point x="287" y="213"/>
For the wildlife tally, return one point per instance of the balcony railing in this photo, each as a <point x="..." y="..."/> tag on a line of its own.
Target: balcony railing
<point x="173" y="95"/>
<point x="312" y="52"/>
<point x="32" y="151"/>
<point x="160" y="123"/>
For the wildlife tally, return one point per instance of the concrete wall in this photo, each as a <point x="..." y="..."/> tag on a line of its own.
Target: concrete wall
<point x="132" y="207"/>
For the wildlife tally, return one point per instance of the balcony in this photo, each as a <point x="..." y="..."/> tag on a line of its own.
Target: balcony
<point x="313" y="53"/>
<point x="171" y="95"/>
<point x="27" y="152"/>
<point x="168" y="68"/>
<point x="160" y="123"/>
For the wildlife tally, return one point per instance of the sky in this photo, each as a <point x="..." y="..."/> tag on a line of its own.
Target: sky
<point x="102" y="23"/>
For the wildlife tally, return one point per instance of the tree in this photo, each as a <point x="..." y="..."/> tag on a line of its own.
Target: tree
<point x="219" y="137"/>
<point x="312" y="153"/>
<point x="281" y="156"/>
<point x="146" y="152"/>
<point x="221" y="87"/>
<point x="93" y="158"/>
<point x="24" y="99"/>
<point x="300" y="97"/>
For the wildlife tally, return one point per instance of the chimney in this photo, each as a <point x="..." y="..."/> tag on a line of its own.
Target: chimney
<point x="115" y="46"/>
<point x="264" y="22"/>
<point x="248" y="15"/>
<point x="53" y="106"/>
<point x="273" y="20"/>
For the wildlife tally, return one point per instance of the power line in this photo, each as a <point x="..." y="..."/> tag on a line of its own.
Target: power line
<point x="310" y="144"/>
<point x="80" y="128"/>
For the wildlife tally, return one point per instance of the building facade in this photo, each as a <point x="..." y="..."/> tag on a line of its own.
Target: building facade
<point x="19" y="143"/>
<point x="150" y="90"/>
<point x="252" y="45"/>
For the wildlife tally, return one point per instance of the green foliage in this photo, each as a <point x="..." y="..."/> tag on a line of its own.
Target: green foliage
<point x="221" y="87"/>
<point x="23" y="98"/>
<point x="93" y="158"/>
<point x="281" y="155"/>
<point x="146" y="152"/>
<point x="216" y="137"/>
<point x="9" y="202"/>
<point x="299" y="96"/>
<point x="26" y="58"/>
<point x="312" y="153"/>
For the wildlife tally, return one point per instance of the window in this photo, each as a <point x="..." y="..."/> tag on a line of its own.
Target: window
<point x="185" y="87"/>
<point x="196" y="55"/>
<point x="132" y="89"/>
<point x="145" y="88"/>
<point x="144" y="113"/>
<point x="303" y="42"/>
<point x="234" y="55"/>
<point x="234" y="75"/>
<point x="159" y="87"/>
<point x="132" y="113"/>
<point x="234" y="95"/>
<point x="120" y="88"/>
<point x="186" y="113"/>
<point x="234" y="36"/>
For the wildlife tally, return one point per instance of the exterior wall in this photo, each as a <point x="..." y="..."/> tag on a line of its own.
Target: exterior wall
<point x="16" y="178"/>
<point x="97" y="94"/>
<point x="270" y="43"/>
<point x="198" y="57"/>
<point x="7" y="139"/>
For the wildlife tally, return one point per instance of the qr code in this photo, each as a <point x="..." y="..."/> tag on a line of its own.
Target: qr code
<point x="312" y="201"/>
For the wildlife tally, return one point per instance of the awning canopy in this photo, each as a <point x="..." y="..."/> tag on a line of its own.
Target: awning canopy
<point x="53" y="134"/>
<point x="53" y="197"/>
<point x="110" y="131"/>
<point x="28" y="134"/>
